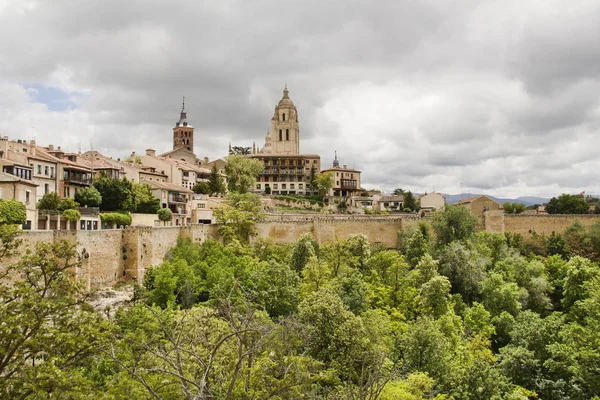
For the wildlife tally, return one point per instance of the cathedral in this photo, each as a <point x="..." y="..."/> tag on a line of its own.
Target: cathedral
<point x="286" y="170"/>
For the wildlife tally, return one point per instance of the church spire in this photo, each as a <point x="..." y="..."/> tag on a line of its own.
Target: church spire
<point x="286" y="92"/>
<point x="336" y="163"/>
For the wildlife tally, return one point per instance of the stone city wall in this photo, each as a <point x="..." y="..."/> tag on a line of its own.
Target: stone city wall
<point x="124" y="254"/>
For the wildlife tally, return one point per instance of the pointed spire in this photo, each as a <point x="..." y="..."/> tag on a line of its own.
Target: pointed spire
<point x="286" y="92"/>
<point x="336" y="163"/>
<point x="183" y="105"/>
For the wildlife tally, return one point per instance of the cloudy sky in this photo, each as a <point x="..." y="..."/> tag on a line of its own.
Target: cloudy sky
<point x="501" y="97"/>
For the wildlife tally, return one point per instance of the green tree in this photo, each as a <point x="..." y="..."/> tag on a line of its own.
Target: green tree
<point x="71" y="215"/>
<point x="242" y="173"/>
<point x="68" y="204"/>
<point x="410" y="202"/>
<point x="89" y="196"/>
<point x="312" y="183"/>
<point x="398" y="192"/>
<point x="12" y="212"/>
<point x="323" y="183"/>
<point x="514" y="208"/>
<point x="49" y="202"/>
<point x="237" y="218"/>
<point x="215" y="181"/>
<point x="568" y="204"/>
<point x="240" y="150"/>
<point x="165" y="215"/>
<point x="453" y="223"/>
<point x="202" y="188"/>
<point x="304" y="248"/>
<point x="114" y="193"/>
<point x="140" y="199"/>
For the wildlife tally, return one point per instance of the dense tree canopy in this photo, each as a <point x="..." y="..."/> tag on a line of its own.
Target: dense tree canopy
<point x="453" y="314"/>
<point x="242" y="173"/>
<point x="568" y="204"/>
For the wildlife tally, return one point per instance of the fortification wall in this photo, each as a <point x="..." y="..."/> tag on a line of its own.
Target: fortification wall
<point x="526" y="224"/>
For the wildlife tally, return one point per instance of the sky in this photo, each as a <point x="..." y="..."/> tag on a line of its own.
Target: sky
<point x="497" y="97"/>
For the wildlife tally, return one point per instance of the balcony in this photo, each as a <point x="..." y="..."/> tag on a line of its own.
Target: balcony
<point x="348" y="184"/>
<point x="78" y="179"/>
<point x="177" y="198"/>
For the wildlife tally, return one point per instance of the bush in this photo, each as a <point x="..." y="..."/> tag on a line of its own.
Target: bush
<point x="49" y="202"/>
<point x="116" y="218"/>
<point x="71" y="215"/>
<point x="12" y="212"/>
<point x="89" y="196"/>
<point x="164" y="214"/>
<point x="268" y="190"/>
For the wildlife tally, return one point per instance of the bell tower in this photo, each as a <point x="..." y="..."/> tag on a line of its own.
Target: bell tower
<point x="285" y="131"/>
<point x="183" y="132"/>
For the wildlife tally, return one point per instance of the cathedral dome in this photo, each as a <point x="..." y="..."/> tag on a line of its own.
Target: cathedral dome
<point x="285" y="100"/>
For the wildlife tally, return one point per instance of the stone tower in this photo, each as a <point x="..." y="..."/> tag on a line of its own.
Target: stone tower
<point x="285" y="132"/>
<point x="183" y="133"/>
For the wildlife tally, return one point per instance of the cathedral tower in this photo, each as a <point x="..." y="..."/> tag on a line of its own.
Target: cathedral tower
<point x="183" y="132"/>
<point x="284" y="132"/>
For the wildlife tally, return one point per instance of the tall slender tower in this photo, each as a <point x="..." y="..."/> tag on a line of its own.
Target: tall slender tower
<point x="285" y="131"/>
<point x="183" y="132"/>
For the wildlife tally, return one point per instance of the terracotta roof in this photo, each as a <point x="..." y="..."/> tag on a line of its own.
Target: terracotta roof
<point x="391" y="198"/>
<point x="166" y="186"/>
<point x="4" y="177"/>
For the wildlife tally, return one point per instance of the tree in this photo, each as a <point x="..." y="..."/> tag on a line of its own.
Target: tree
<point x="240" y="150"/>
<point x="89" y="196"/>
<point x="398" y="192"/>
<point x="514" y="208"/>
<point x="12" y="212"/>
<point x="453" y="223"/>
<point x="46" y="330"/>
<point x="324" y="182"/>
<point x="568" y="204"/>
<point x="215" y="181"/>
<point x="165" y="215"/>
<point x="49" y="202"/>
<point x="68" y="204"/>
<point x="242" y="173"/>
<point x="304" y="248"/>
<point x="410" y="202"/>
<point x="238" y="217"/>
<point x="71" y="215"/>
<point x="202" y="188"/>
<point x="140" y="199"/>
<point x="114" y="193"/>
<point x="312" y="182"/>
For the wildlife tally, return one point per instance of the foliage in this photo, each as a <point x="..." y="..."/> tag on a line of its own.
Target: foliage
<point x="12" y="212"/>
<point x="67" y="204"/>
<point x="513" y="208"/>
<point x="140" y="199"/>
<point x="202" y="188"/>
<point x="49" y="202"/>
<point x="242" y="173"/>
<point x="89" y="196"/>
<point x="323" y="183"/>
<point x="398" y="192"/>
<point x="215" y="182"/>
<point x="410" y="202"/>
<point x="238" y="217"/>
<point x="119" y="219"/>
<point x="124" y="195"/>
<point x="239" y="150"/>
<point x="567" y="204"/>
<point x="71" y="215"/>
<point x="453" y="223"/>
<point x="165" y="214"/>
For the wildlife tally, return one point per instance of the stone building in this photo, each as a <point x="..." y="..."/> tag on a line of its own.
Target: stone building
<point x="346" y="181"/>
<point x="432" y="201"/>
<point x="21" y="189"/>
<point x="479" y="204"/>
<point x="286" y="170"/>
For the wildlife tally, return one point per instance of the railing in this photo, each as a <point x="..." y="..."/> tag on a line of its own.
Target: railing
<point x="175" y="198"/>
<point x="77" y="179"/>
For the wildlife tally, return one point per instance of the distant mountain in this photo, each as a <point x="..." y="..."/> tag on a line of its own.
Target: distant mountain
<point x="527" y="200"/>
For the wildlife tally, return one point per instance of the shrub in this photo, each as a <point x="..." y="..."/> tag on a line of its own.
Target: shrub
<point x="116" y="218"/>
<point x="12" y="212"/>
<point x="164" y="214"/>
<point x="71" y="215"/>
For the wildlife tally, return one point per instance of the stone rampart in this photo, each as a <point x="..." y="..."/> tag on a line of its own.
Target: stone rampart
<point x="125" y="254"/>
<point x="546" y="224"/>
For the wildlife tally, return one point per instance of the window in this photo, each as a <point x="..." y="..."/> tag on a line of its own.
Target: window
<point x="284" y="116"/>
<point x="201" y="205"/>
<point x="27" y="196"/>
<point x="46" y="188"/>
<point x="40" y="169"/>
<point x="258" y="186"/>
<point x="292" y="186"/>
<point x="307" y="162"/>
<point x="275" y="186"/>
<point x="287" y="134"/>
<point x="301" y="186"/>
<point x="337" y="183"/>
<point x="283" y="186"/>
<point x="45" y="170"/>
<point x="51" y="172"/>
<point x="280" y="135"/>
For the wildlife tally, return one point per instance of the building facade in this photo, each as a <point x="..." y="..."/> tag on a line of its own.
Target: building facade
<point x="346" y="181"/>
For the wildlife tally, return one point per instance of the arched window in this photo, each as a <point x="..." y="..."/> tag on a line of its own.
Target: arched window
<point x="284" y="116"/>
<point x="280" y="135"/>
<point x="287" y="134"/>
<point x="182" y="141"/>
<point x="188" y="141"/>
<point x="184" y="134"/>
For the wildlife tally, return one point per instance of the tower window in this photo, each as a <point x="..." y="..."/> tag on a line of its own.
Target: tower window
<point x="280" y="135"/>
<point x="287" y="134"/>
<point x="284" y="116"/>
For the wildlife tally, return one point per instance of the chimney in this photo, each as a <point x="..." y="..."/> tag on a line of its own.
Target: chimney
<point x="205" y="160"/>
<point x="150" y="152"/>
<point x="51" y="147"/>
<point x="132" y="157"/>
<point x="345" y="166"/>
